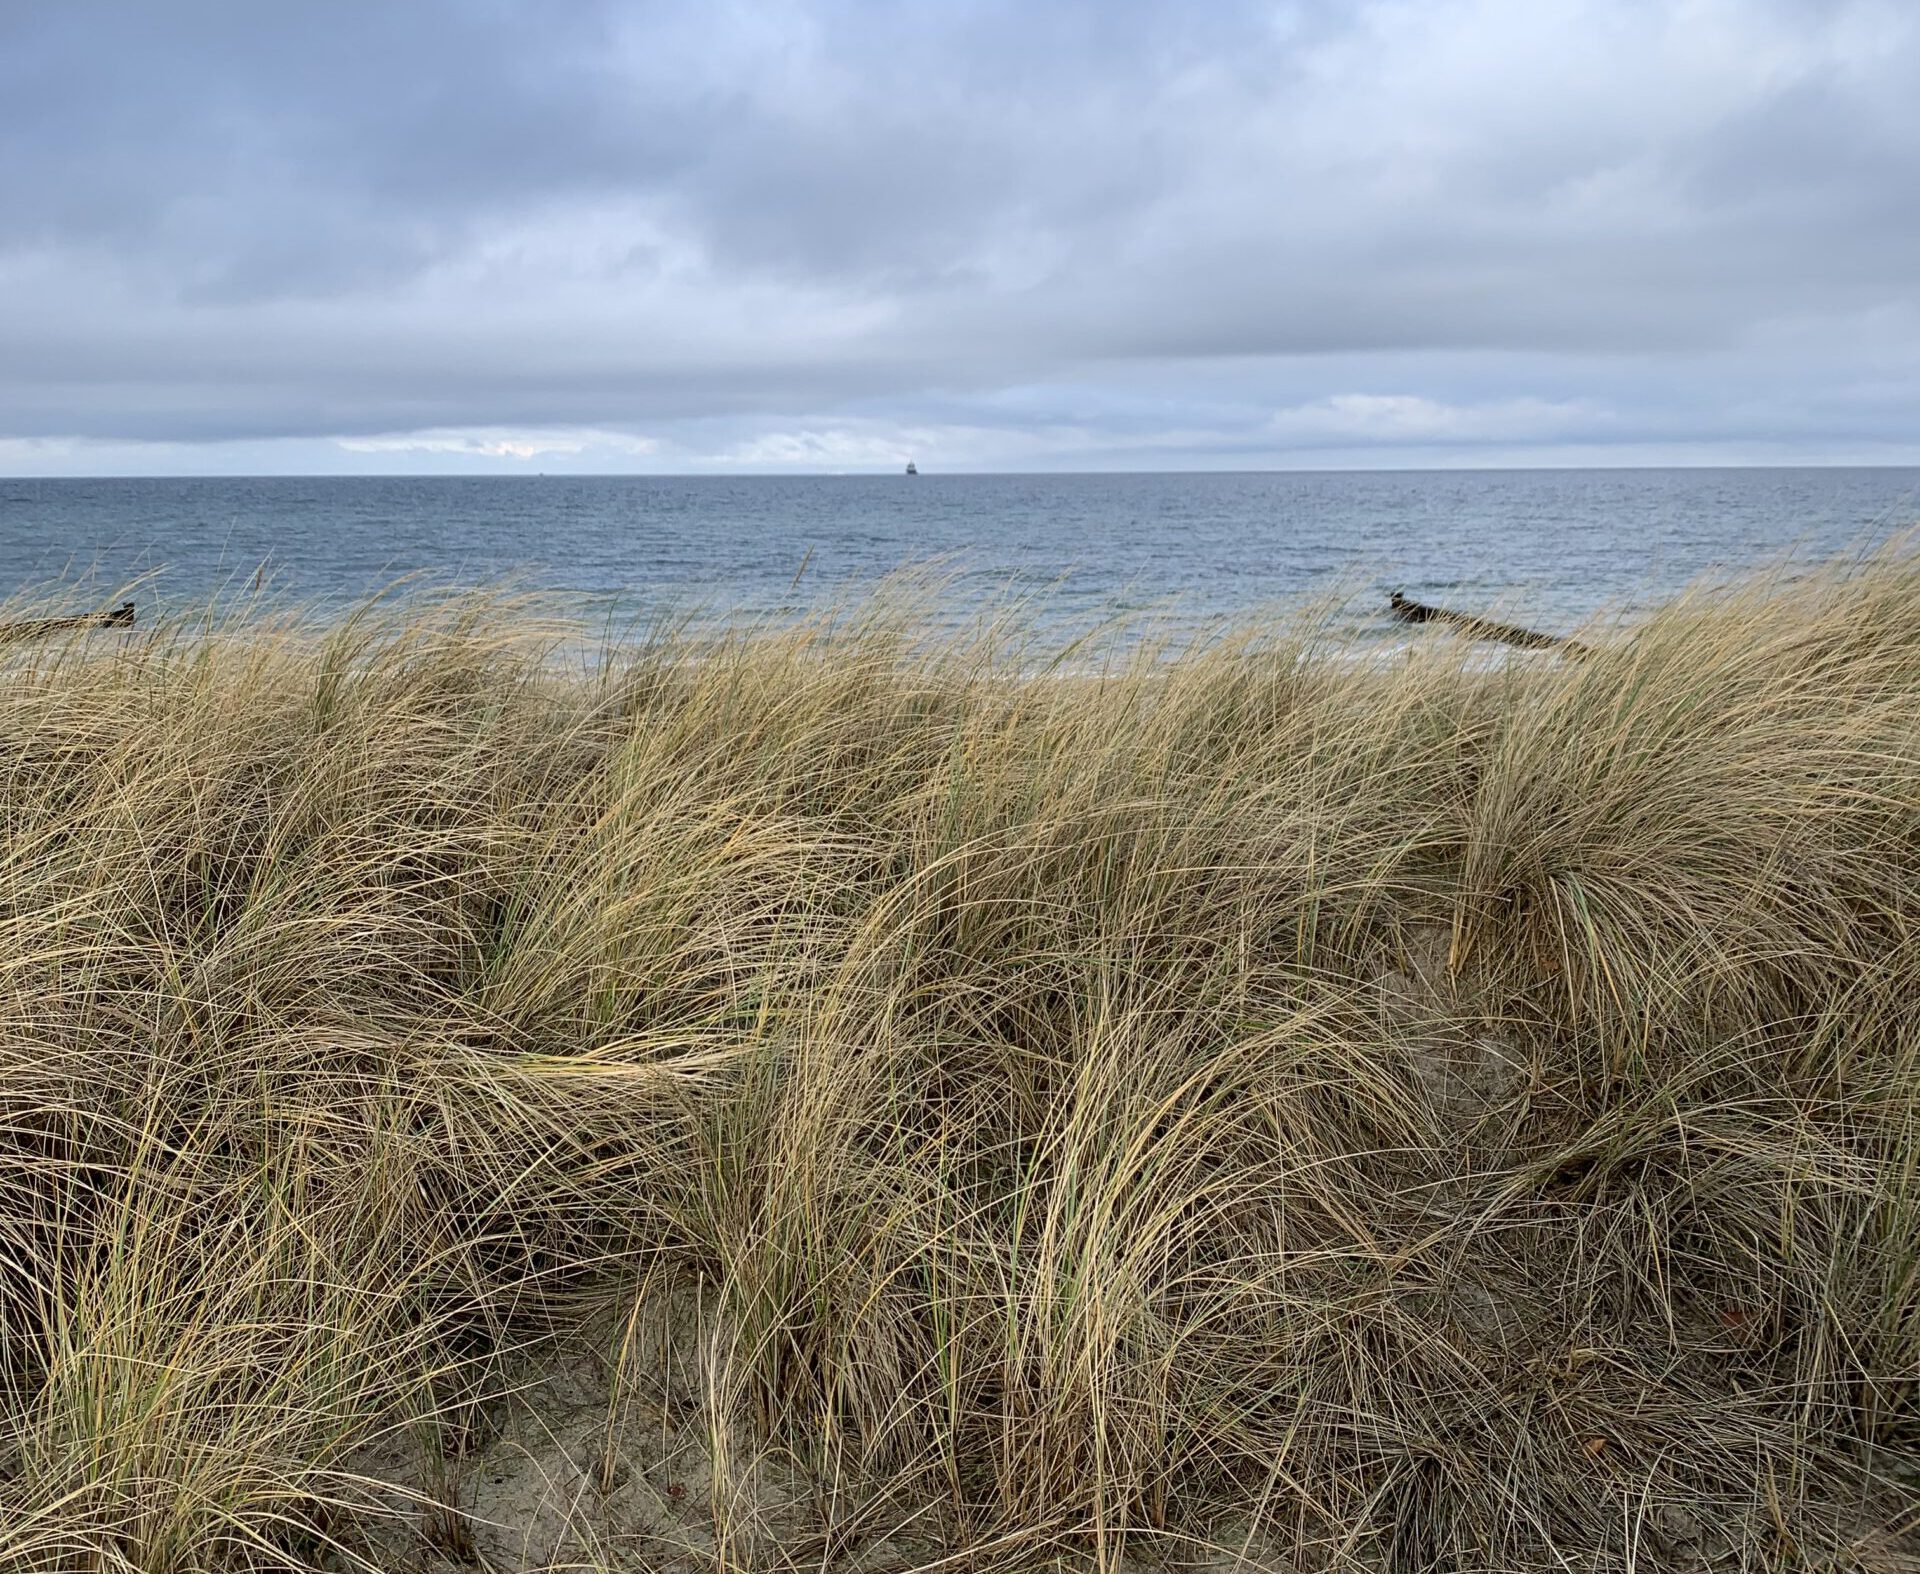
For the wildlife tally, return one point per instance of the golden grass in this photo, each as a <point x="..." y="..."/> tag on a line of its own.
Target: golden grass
<point x="1258" y="1103"/>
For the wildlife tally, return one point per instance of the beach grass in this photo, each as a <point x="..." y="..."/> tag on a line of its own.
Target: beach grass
<point x="824" y="1097"/>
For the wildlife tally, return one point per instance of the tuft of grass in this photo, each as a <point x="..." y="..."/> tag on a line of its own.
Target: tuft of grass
<point x="1256" y="1103"/>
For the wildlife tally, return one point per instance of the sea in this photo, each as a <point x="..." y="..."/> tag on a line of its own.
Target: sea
<point x="1551" y="547"/>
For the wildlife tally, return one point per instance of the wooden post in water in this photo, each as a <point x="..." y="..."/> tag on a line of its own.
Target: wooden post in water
<point x="1408" y="611"/>
<point x="32" y="628"/>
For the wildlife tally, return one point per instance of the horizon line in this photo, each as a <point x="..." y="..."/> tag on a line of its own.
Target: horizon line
<point x="876" y="474"/>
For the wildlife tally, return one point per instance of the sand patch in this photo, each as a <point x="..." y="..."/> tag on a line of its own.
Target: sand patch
<point x="610" y="1450"/>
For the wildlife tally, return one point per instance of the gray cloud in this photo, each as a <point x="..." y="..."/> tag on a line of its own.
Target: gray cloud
<point x="737" y="233"/>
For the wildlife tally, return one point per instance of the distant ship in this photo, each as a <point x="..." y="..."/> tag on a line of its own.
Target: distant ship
<point x="912" y="468"/>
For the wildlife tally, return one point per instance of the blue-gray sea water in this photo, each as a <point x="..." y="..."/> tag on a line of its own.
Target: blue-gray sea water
<point x="1553" y="546"/>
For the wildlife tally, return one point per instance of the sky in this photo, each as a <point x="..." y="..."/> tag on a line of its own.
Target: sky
<point x="832" y="235"/>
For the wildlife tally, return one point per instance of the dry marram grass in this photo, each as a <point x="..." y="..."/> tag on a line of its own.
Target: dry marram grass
<point x="820" y="1099"/>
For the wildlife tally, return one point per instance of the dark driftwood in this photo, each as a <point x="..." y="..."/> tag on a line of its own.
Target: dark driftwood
<point x="1482" y="628"/>
<point x="120" y="617"/>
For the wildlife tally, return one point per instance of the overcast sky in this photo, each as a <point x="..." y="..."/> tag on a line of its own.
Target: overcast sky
<point x="987" y="234"/>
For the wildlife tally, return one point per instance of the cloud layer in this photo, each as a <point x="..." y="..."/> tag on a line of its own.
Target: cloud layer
<point x="809" y="234"/>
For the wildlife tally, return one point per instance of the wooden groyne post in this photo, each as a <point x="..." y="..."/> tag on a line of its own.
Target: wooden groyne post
<point x="1409" y="611"/>
<point x="32" y="628"/>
